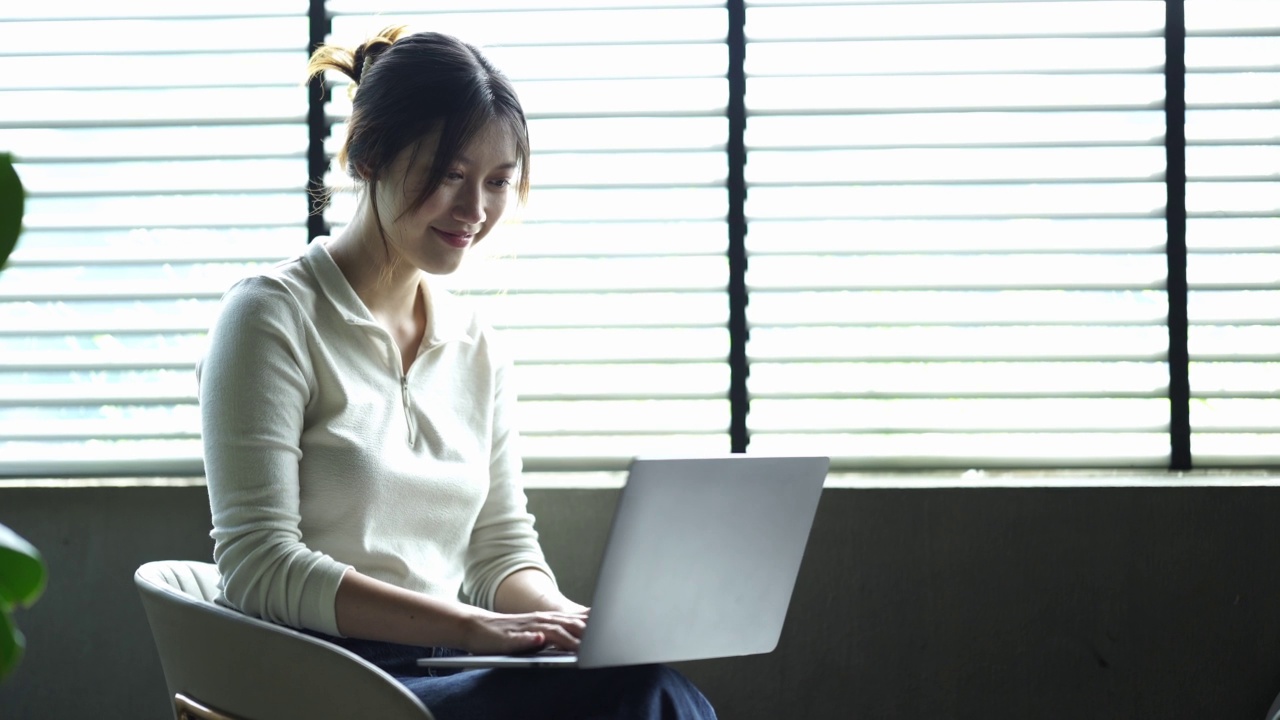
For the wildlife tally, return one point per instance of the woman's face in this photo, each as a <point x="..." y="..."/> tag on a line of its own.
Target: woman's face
<point x="469" y="202"/>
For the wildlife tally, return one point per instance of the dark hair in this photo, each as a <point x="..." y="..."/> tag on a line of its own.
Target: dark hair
<point x="406" y="86"/>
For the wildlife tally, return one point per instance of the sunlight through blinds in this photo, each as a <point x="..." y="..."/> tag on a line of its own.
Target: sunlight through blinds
<point x="163" y="148"/>
<point x="1233" y="230"/>
<point x="956" y="233"/>
<point x="610" y="285"/>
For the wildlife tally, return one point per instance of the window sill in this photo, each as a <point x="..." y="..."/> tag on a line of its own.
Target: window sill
<point x="841" y="480"/>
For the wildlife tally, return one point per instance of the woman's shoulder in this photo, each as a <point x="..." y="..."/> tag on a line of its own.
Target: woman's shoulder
<point x="463" y="317"/>
<point x="286" y="281"/>
<point x="272" y="293"/>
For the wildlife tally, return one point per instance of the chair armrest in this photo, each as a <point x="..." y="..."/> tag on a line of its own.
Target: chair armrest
<point x="255" y="669"/>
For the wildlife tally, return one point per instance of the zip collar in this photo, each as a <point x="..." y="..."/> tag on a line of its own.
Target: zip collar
<point x="447" y="319"/>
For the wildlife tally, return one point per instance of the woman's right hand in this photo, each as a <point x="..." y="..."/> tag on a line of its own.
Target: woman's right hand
<point x="491" y="633"/>
<point x="375" y="610"/>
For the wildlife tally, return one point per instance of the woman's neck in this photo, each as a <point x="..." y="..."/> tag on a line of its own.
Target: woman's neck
<point x="388" y="286"/>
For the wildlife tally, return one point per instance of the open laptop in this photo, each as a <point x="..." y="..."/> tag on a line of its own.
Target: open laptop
<point x="700" y="563"/>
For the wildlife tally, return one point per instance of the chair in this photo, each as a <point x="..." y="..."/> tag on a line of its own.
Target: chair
<point x="220" y="664"/>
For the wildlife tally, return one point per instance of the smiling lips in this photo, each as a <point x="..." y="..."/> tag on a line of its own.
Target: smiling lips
<point x="458" y="240"/>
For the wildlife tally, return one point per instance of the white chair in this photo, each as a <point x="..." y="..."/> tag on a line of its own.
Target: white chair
<point x="220" y="664"/>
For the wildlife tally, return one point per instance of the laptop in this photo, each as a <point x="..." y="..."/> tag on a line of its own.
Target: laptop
<point x="701" y="561"/>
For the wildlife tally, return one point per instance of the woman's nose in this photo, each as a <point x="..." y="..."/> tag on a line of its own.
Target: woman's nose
<point x="469" y="205"/>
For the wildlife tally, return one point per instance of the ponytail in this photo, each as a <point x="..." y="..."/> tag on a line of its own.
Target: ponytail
<point x="353" y="63"/>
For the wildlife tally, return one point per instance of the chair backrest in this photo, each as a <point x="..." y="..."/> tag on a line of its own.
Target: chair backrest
<point x="249" y="668"/>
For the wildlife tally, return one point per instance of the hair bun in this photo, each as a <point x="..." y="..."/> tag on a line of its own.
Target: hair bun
<point x="353" y="63"/>
<point x="370" y="50"/>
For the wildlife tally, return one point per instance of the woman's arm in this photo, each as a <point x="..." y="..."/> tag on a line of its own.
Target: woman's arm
<point x="503" y="541"/>
<point x="254" y="385"/>
<point x="375" y="610"/>
<point x="531" y="590"/>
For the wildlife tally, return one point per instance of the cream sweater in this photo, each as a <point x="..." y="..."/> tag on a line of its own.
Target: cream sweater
<point x="322" y="455"/>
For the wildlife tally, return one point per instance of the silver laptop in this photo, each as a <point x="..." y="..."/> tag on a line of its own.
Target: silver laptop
<point x="700" y="563"/>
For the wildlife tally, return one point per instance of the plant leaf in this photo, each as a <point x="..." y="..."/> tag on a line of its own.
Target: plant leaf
<point x="22" y="571"/>
<point x="11" y="644"/>
<point x="12" y="199"/>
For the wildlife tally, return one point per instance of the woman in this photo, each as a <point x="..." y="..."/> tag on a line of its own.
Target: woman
<point x="363" y="471"/>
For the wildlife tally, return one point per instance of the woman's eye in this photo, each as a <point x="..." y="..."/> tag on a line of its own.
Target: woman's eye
<point x="501" y="182"/>
<point x="453" y="175"/>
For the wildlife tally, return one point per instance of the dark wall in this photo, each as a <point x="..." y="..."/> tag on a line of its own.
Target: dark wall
<point x="1103" y="602"/>
<point x="1038" y="603"/>
<point x="88" y="644"/>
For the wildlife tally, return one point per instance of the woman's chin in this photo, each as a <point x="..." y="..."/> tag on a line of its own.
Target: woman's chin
<point x="440" y="266"/>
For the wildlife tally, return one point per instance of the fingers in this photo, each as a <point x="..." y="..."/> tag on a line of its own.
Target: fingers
<point x="560" y="630"/>
<point x="573" y="622"/>
<point x="513" y="641"/>
<point x="528" y="632"/>
<point x="563" y="633"/>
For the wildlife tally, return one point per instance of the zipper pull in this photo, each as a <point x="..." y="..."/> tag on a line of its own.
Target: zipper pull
<point x="408" y="408"/>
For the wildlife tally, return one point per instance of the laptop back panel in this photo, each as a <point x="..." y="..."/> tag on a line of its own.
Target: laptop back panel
<point x="702" y="559"/>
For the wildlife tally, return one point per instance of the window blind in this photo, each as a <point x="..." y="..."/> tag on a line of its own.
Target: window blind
<point x="610" y="284"/>
<point x="163" y="149"/>
<point x="956" y="233"/>
<point x="1233" y="230"/>
<point x="956" y="224"/>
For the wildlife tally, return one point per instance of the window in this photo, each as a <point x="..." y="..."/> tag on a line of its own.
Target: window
<point x="163" y="148"/>
<point x="956" y="240"/>
<point x="1233" y="231"/>
<point x="956" y="232"/>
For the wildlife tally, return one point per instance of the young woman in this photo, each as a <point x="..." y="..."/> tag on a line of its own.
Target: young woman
<point x="363" y="470"/>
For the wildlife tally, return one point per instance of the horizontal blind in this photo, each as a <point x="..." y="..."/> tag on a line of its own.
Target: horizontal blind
<point x="163" y="148"/>
<point x="610" y="284"/>
<point x="1233" y="230"/>
<point x="956" y="233"/>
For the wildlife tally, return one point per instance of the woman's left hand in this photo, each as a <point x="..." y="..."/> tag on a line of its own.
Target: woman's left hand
<point x="531" y="590"/>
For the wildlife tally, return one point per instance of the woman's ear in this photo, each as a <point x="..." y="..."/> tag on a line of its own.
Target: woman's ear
<point x="363" y="171"/>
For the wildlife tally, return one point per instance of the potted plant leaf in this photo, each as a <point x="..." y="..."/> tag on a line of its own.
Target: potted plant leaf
<point x="22" y="570"/>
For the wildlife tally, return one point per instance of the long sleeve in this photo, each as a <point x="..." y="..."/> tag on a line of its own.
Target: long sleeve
<point x="503" y="540"/>
<point x="254" y="389"/>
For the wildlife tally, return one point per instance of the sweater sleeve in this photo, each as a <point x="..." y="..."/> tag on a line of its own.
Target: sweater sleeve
<point x="254" y="386"/>
<point x="503" y="539"/>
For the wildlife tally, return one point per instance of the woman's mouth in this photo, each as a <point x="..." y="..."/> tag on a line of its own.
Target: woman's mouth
<point x="458" y="240"/>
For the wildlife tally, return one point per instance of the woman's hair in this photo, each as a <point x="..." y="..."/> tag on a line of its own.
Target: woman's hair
<point x="406" y="86"/>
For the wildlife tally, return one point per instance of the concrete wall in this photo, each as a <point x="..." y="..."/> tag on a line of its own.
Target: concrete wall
<point x="914" y="602"/>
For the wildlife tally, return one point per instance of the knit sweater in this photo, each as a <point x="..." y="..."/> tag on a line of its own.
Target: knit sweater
<point x="323" y="455"/>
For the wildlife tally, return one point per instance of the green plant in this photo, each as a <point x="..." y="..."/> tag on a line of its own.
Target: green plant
<point x="22" y="579"/>
<point x="22" y="570"/>
<point x="12" y="199"/>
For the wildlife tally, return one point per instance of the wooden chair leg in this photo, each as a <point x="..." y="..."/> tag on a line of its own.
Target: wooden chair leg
<point x="189" y="709"/>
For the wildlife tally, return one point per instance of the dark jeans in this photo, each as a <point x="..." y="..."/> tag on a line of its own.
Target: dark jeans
<point x="646" y="692"/>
